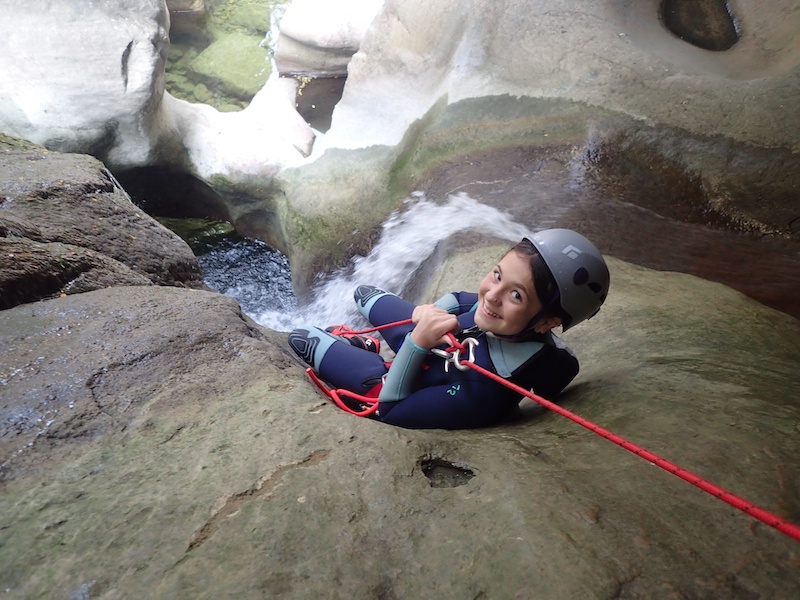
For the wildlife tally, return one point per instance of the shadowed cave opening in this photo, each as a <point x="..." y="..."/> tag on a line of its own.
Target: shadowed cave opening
<point x="707" y="24"/>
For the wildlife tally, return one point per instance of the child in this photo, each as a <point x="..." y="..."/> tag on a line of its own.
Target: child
<point x="555" y="278"/>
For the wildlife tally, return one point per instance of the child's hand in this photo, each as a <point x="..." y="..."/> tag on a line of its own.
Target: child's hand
<point x="432" y="326"/>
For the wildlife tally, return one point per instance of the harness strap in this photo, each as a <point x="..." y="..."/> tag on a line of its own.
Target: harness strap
<point x="370" y="400"/>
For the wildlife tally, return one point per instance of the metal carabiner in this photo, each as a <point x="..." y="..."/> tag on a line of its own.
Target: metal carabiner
<point x="471" y="342"/>
<point x="447" y="356"/>
<point x="455" y="356"/>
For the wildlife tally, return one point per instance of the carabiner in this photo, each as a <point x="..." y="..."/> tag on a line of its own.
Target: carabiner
<point x="455" y="356"/>
<point x="471" y="342"/>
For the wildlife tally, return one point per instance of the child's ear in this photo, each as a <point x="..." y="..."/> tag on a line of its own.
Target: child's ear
<point x="546" y="324"/>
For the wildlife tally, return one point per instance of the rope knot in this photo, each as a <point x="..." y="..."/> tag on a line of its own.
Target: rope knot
<point x="453" y="353"/>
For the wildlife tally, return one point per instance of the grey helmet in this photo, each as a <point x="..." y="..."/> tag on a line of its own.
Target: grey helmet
<point x="579" y="269"/>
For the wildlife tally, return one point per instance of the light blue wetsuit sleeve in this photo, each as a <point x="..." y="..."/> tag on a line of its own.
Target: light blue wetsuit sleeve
<point x="457" y="303"/>
<point x="448" y="302"/>
<point x="406" y="366"/>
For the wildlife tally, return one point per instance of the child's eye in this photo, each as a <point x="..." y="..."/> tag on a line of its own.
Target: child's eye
<point x="496" y="274"/>
<point x="516" y="295"/>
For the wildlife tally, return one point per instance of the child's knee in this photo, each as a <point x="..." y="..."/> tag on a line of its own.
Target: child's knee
<point x="310" y="344"/>
<point x="365" y="296"/>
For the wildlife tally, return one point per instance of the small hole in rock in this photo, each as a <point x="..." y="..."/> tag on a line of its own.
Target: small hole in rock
<point x="443" y="473"/>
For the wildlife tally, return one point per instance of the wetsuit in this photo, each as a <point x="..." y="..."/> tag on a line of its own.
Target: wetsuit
<point x="418" y="392"/>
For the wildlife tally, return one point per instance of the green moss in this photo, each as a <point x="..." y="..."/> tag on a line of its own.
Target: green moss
<point x="236" y="63"/>
<point x="227" y="53"/>
<point x="220" y="183"/>
<point x="8" y="143"/>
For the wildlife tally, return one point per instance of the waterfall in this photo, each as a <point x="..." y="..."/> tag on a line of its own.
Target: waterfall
<point x="408" y="238"/>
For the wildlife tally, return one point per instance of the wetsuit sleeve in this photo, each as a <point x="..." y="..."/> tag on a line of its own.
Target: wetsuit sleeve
<point x="403" y="372"/>
<point x="457" y="303"/>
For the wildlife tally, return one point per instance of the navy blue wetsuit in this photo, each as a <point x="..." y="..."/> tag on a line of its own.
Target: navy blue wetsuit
<point x="418" y="392"/>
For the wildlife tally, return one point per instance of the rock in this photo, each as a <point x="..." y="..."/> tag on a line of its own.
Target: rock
<point x="431" y="84"/>
<point x="254" y="17"/>
<point x="98" y="98"/>
<point x="242" y="150"/>
<point x="125" y="118"/>
<point x="426" y="85"/>
<point x="200" y="92"/>
<point x="318" y="38"/>
<point x="236" y="62"/>
<point x="31" y="271"/>
<point x="157" y="443"/>
<point x="67" y="227"/>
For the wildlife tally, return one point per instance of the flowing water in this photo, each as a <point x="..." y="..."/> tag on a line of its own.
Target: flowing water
<point x="653" y="216"/>
<point x="409" y="238"/>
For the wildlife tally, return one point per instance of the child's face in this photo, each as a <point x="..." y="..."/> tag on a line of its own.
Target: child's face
<point x="507" y="300"/>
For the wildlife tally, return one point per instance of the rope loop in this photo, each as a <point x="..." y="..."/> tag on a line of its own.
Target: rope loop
<point x="453" y="354"/>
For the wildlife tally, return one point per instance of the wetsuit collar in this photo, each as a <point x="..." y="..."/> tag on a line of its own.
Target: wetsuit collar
<point x="507" y="356"/>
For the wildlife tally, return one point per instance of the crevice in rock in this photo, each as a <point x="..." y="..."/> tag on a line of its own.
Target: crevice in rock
<point x="166" y="192"/>
<point x="232" y="504"/>
<point x="316" y="99"/>
<point x="126" y="55"/>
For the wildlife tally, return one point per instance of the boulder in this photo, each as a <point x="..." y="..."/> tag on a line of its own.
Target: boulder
<point x="157" y="443"/>
<point x="237" y="62"/>
<point x="427" y="84"/>
<point x="86" y="78"/>
<point x="107" y="98"/>
<point x="67" y="227"/>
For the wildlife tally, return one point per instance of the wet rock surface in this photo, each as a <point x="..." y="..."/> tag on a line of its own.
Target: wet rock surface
<point x="185" y="454"/>
<point x="156" y="442"/>
<point x="640" y="207"/>
<point x="67" y="227"/>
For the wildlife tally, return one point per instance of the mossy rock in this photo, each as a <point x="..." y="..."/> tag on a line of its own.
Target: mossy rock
<point x="237" y="62"/>
<point x="252" y="17"/>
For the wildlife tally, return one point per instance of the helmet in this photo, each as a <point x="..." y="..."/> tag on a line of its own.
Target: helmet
<point x="580" y="272"/>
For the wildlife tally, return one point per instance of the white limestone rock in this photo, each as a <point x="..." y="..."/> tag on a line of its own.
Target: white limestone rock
<point x="319" y="37"/>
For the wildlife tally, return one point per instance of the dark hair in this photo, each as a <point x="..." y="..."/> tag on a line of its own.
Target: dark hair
<point x="543" y="281"/>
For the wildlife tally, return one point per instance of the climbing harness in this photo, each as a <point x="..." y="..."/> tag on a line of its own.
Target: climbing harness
<point x="367" y="403"/>
<point x="454" y="355"/>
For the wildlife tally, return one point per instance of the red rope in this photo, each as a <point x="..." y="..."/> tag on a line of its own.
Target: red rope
<point x="370" y="402"/>
<point x="716" y="491"/>
<point x="748" y="507"/>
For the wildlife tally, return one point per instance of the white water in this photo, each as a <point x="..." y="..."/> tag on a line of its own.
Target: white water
<point x="408" y="239"/>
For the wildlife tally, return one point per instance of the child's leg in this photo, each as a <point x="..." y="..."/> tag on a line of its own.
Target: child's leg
<point x="336" y="360"/>
<point x="381" y="307"/>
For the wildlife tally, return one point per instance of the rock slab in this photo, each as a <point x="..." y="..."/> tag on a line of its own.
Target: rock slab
<point x="189" y="457"/>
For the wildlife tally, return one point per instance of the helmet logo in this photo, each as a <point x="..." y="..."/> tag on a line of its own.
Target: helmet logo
<point x="571" y="251"/>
